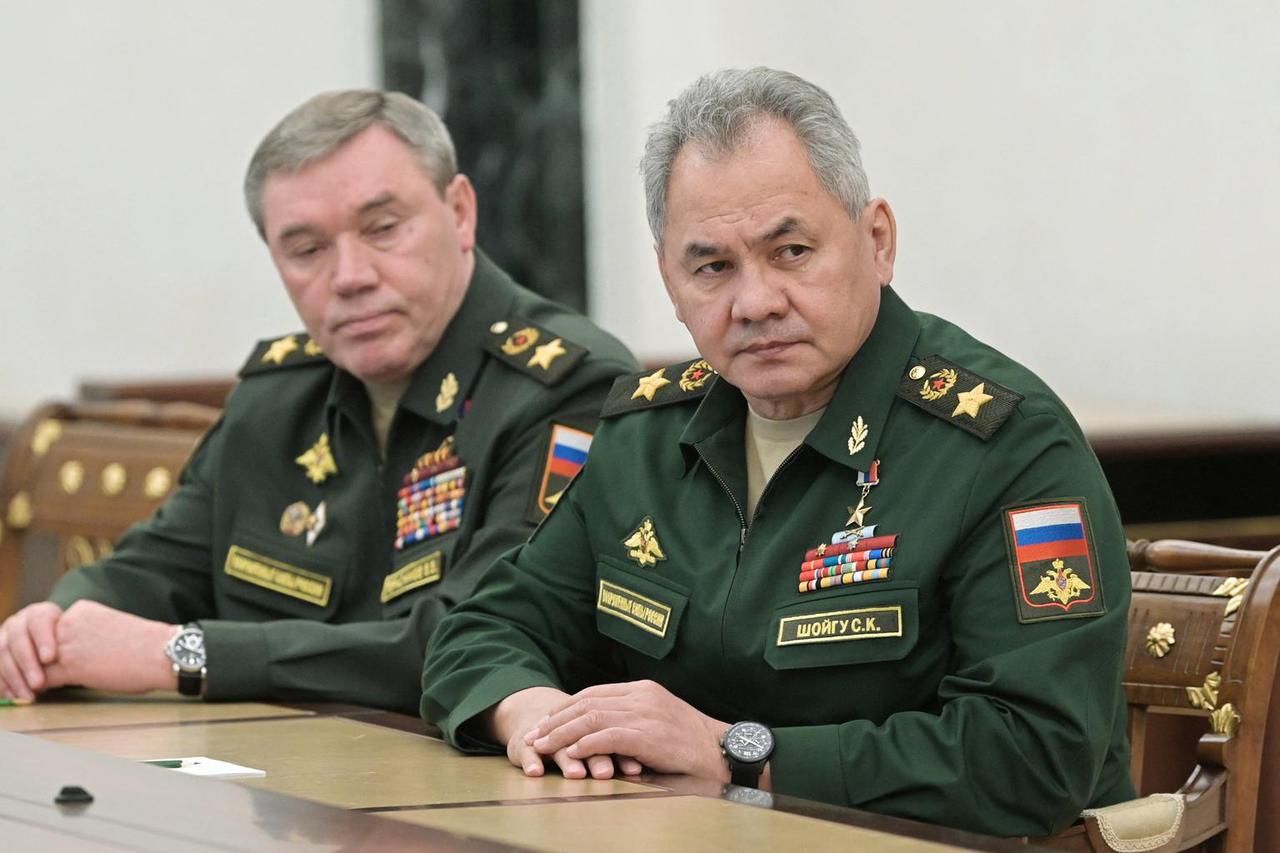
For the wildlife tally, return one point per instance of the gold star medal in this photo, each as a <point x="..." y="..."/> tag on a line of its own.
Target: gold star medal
<point x="547" y="353"/>
<point x="318" y="461"/>
<point x="971" y="402"/>
<point x="650" y="384"/>
<point x="643" y="546"/>
<point x="280" y="349"/>
<point x="866" y="479"/>
<point x="858" y="514"/>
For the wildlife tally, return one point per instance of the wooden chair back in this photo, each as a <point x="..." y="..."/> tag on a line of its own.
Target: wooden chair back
<point x="1201" y="681"/>
<point x="77" y="475"/>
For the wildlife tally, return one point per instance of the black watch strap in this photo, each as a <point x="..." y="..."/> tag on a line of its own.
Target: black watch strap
<point x="746" y="775"/>
<point x="191" y="683"/>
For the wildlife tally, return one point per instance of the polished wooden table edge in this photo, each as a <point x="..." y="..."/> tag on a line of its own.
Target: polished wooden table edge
<point x="667" y="785"/>
<point x="266" y="718"/>
<point x="689" y="786"/>
<point x="46" y="766"/>
<point x="527" y="801"/>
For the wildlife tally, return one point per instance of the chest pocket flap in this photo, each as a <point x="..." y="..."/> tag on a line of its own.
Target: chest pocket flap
<point x="266" y="578"/>
<point x="637" y="611"/>
<point x="860" y="626"/>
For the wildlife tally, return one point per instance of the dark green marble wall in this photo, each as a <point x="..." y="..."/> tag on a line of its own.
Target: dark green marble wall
<point x="504" y="74"/>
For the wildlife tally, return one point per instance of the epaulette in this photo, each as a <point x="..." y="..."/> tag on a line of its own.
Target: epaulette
<point x="296" y="350"/>
<point x="533" y="350"/>
<point x="688" y="380"/>
<point x="958" y="396"/>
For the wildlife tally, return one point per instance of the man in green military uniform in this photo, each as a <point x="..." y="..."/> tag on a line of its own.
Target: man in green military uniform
<point x="364" y="473"/>
<point x="850" y="554"/>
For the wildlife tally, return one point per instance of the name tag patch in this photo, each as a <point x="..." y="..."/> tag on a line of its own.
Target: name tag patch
<point x="652" y="616"/>
<point x="836" y="625"/>
<point x="421" y="572"/>
<point x="277" y="576"/>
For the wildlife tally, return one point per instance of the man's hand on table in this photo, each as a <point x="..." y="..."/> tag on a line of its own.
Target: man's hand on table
<point x="641" y="720"/>
<point x="515" y="715"/>
<point x="88" y="644"/>
<point x="28" y="643"/>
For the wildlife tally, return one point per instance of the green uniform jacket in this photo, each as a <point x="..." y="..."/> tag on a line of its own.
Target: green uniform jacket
<point x="948" y="692"/>
<point x="348" y="617"/>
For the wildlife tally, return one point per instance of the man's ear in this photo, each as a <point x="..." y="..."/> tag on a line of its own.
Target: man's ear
<point x="666" y="281"/>
<point x="460" y="197"/>
<point x="882" y="230"/>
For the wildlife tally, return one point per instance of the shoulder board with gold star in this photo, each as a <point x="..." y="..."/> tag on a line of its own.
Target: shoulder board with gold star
<point x="649" y="389"/>
<point x="958" y="396"/>
<point x="533" y="350"/>
<point x="296" y="350"/>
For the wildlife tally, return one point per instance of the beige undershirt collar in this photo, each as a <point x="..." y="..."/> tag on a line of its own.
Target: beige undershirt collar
<point x="384" y="397"/>
<point x="768" y="443"/>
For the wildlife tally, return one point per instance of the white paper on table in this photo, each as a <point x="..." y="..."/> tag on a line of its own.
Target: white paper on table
<point x="212" y="768"/>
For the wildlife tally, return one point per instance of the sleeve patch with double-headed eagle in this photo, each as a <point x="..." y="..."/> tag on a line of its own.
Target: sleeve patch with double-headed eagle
<point x="533" y="350"/>
<point x="649" y="389"/>
<point x="1051" y="557"/>
<point x="958" y="396"/>
<point x="295" y="350"/>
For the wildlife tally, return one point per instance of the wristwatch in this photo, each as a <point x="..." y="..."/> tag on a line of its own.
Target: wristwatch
<point x="747" y="746"/>
<point x="186" y="649"/>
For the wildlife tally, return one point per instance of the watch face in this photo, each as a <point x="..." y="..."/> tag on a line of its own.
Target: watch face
<point x="188" y="650"/>
<point x="748" y="741"/>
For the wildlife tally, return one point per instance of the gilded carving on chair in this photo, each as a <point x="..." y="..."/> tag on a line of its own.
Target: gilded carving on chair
<point x="1232" y="589"/>
<point x="1159" y="639"/>
<point x="77" y="551"/>
<point x="46" y="433"/>
<point x="157" y="482"/>
<point x="20" y="512"/>
<point x="1225" y="720"/>
<point x="114" y="478"/>
<point x="71" y="476"/>
<point x="1206" y="696"/>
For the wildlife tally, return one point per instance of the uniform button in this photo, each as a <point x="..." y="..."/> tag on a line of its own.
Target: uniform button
<point x="499" y="327"/>
<point x="917" y="372"/>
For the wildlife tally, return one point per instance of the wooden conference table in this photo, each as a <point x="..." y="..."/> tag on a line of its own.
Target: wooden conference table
<point x="347" y="778"/>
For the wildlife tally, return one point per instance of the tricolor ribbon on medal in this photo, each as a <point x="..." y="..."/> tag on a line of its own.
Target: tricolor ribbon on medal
<point x="855" y="554"/>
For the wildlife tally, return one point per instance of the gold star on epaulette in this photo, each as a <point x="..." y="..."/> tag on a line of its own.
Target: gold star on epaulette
<point x="312" y="348"/>
<point x="650" y="384"/>
<point x="280" y="349"/>
<point x="547" y="353"/>
<point x="318" y="461"/>
<point x="972" y="401"/>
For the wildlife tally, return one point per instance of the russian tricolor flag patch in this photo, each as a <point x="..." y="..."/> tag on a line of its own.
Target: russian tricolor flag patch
<point x="566" y="454"/>
<point x="1052" y="561"/>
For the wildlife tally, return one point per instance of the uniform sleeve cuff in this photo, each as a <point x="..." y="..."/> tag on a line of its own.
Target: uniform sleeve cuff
<point x="807" y="763"/>
<point x="457" y="725"/>
<point x="238" y="662"/>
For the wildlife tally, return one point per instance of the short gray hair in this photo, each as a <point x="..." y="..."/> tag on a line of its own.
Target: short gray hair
<point x="324" y="123"/>
<point x="718" y="111"/>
